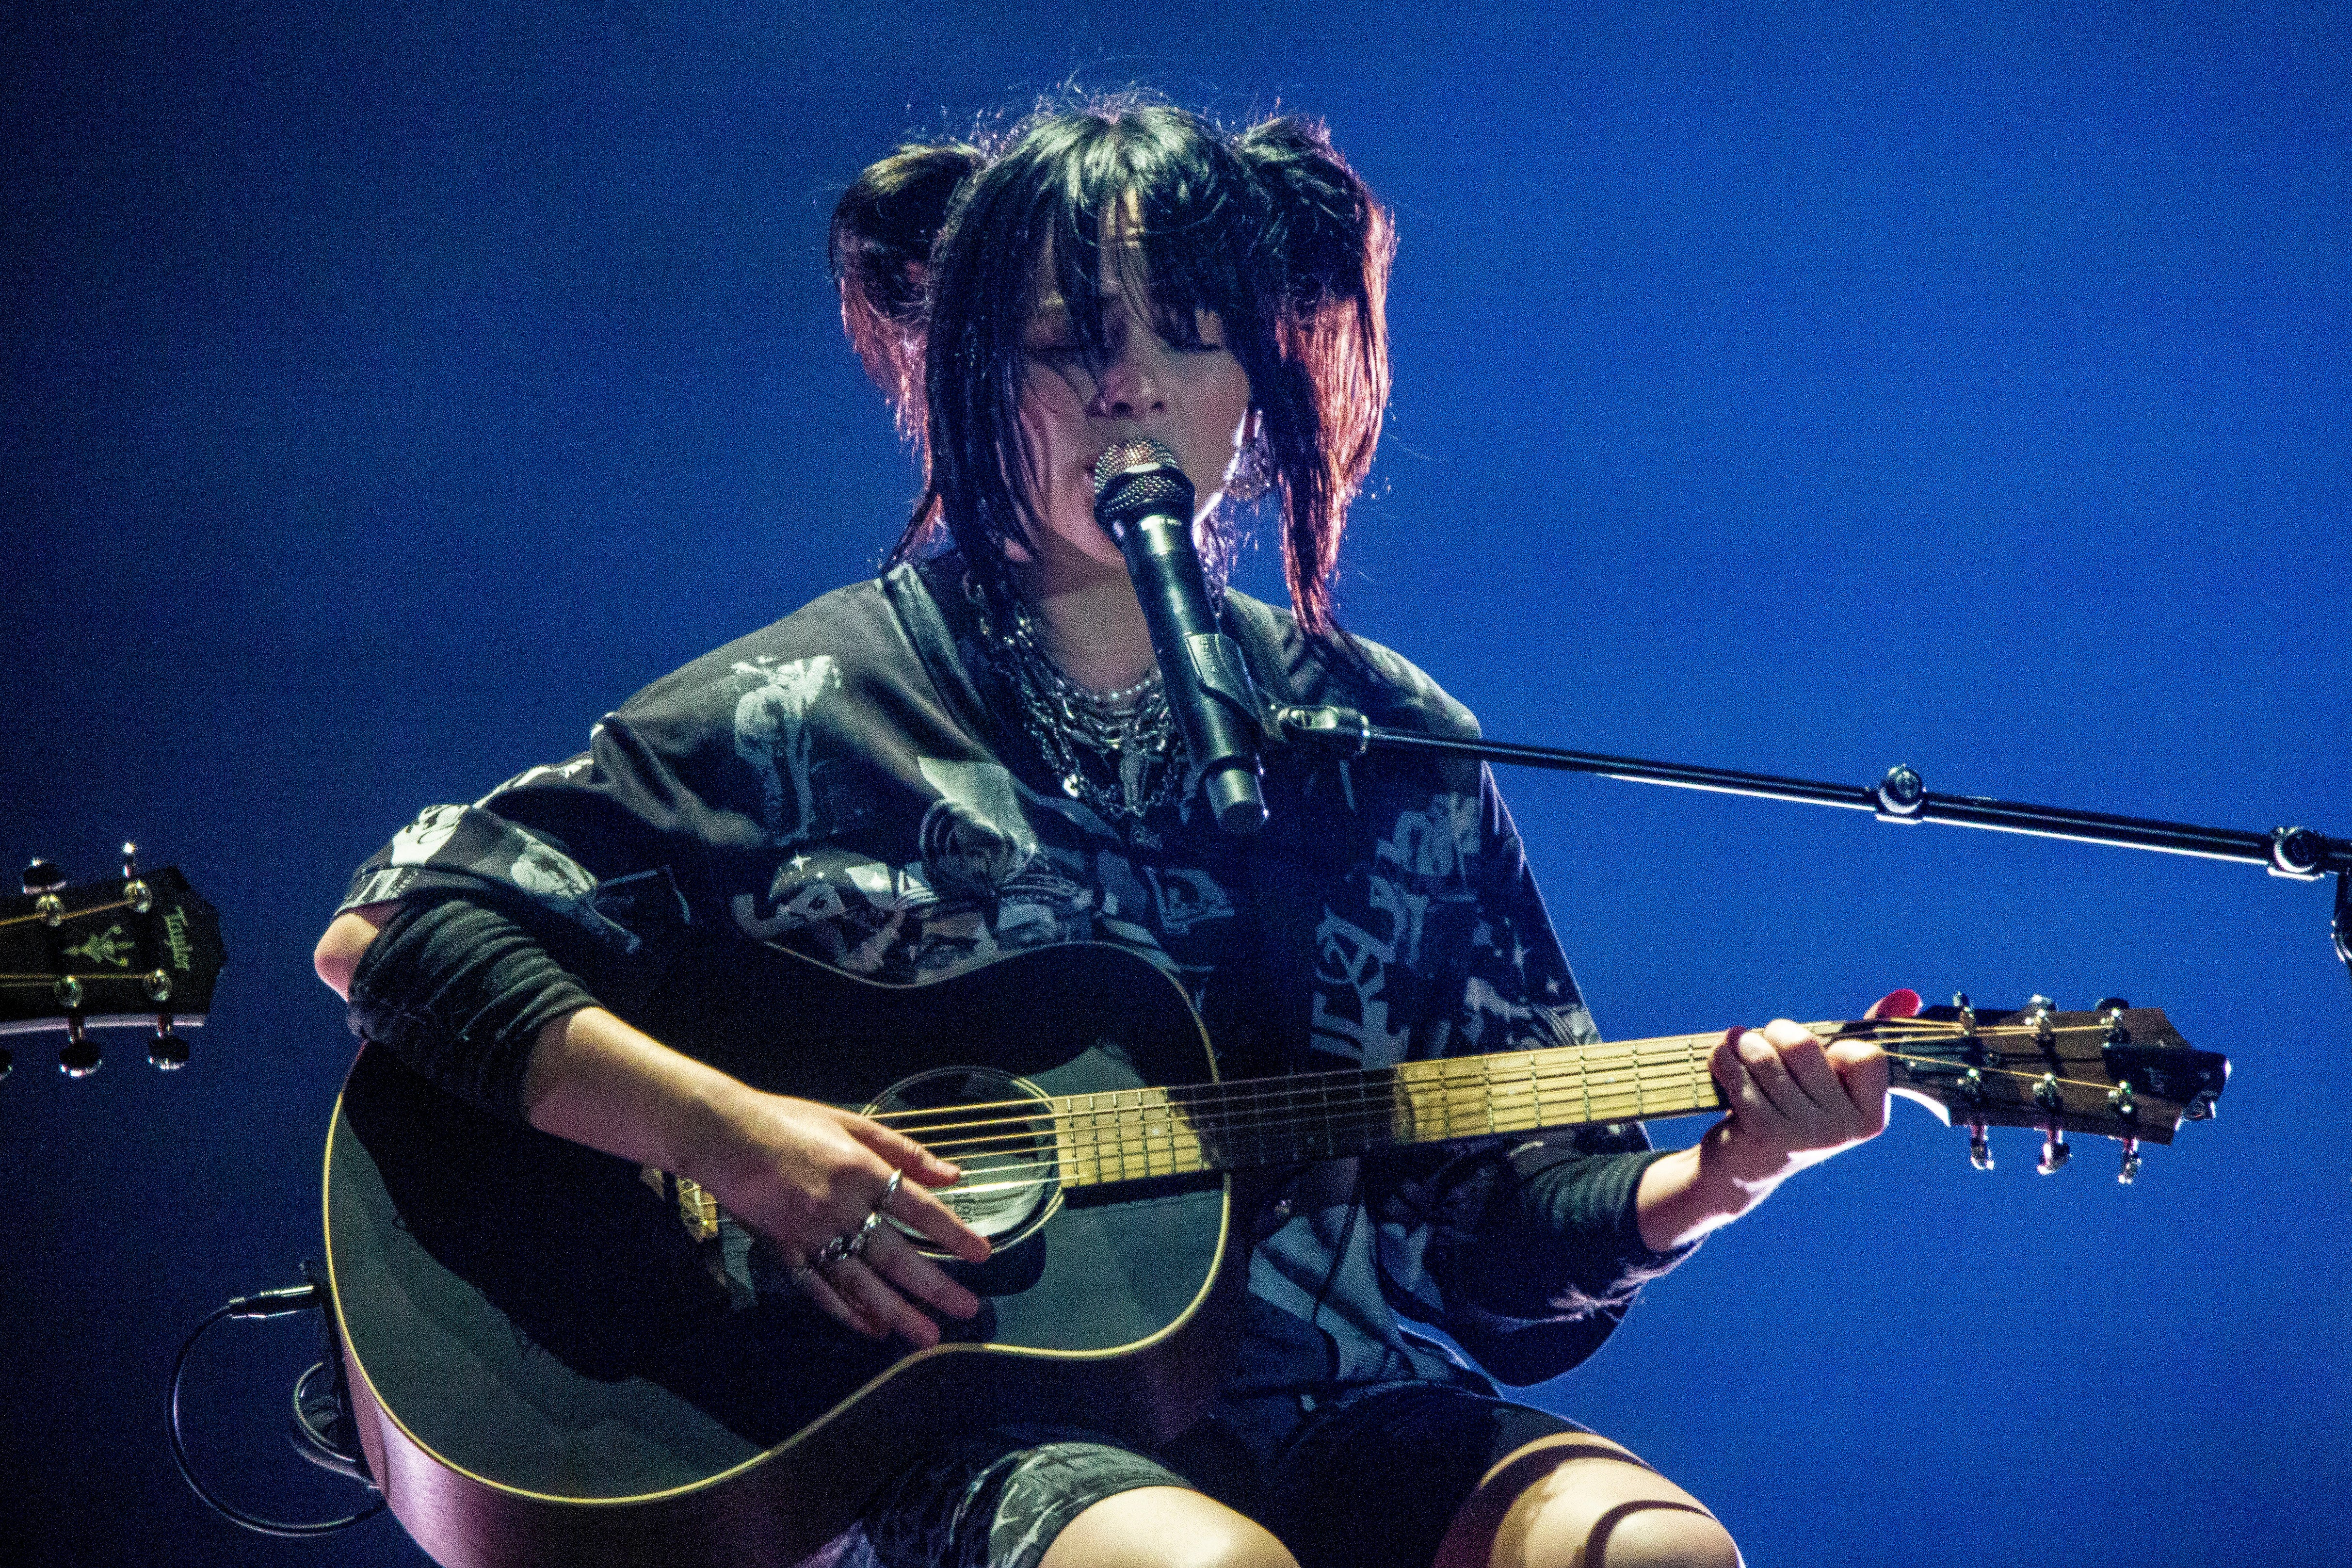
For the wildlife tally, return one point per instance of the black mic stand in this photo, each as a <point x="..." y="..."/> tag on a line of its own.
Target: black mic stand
<point x="1902" y="796"/>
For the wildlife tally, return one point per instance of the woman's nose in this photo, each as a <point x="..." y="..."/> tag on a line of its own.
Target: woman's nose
<point x="1130" y="383"/>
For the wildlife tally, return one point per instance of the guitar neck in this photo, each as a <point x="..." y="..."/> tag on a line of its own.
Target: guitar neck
<point x="1138" y="1134"/>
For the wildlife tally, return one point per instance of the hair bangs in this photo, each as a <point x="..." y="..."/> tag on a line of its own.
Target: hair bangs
<point x="1160" y="216"/>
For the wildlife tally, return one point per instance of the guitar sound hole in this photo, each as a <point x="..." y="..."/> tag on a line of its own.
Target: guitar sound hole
<point x="996" y="1127"/>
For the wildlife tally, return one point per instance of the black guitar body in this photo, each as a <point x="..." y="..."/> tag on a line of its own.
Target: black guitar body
<point x="547" y="1371"/>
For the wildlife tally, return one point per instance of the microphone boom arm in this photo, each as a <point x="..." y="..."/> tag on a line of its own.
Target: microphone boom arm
<point x="1902" y="796"/>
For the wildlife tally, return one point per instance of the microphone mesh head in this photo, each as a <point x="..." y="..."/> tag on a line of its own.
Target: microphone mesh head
<point x="1138" y="479"/>
<point x="1142" y="452"/>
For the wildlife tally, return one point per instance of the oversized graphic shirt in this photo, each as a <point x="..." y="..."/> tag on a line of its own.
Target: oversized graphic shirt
<point x="852" y="781"/>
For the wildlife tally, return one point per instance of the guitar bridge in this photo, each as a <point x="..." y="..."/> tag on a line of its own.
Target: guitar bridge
<point x="698" y="1211"/>
<point x="738" y="1262"/>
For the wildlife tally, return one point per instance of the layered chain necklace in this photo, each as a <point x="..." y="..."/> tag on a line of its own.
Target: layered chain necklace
<point x="1117" y="752"/>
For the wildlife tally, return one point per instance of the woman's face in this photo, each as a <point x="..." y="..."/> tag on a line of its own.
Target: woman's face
<point x="1193" y="398"/>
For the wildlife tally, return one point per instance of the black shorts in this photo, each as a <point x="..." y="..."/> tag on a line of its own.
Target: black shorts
<point x="1368" y="1480"/>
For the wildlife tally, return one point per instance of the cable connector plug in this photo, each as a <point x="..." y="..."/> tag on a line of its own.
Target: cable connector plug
<point x="275" y="1303"/>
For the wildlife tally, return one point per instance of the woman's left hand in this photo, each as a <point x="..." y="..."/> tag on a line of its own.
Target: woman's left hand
<point x="1795" y="1099"/>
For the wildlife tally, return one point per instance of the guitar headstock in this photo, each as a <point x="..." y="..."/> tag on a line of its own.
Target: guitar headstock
<point x="139" y="951"/>
<point x="2118" y="1070"/>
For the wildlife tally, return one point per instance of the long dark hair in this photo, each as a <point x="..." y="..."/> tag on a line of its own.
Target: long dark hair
<point x="935" y="250"/>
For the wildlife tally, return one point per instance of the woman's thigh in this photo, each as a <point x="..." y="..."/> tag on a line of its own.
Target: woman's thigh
<point x="1164" y="1527"/>
<point x="1418" y="1475"/>
<point x="1578" y="1501"/>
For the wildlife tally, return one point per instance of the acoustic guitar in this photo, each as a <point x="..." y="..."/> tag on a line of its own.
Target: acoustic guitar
<point x="557" y="1358"/>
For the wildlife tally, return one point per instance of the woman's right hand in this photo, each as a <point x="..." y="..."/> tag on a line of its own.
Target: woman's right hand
<point x="798" y="1173"/>
<point x="804" y="1173"/>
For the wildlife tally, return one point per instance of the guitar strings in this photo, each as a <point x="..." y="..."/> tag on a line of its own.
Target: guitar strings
<point x="1519" y="1107"/>
<point x="1253" y="1097"/>
<point x="1176" y="1147"/>
<point x="1296" y="1084"/>
<point x="1355" y="1132"/>
<point x="1618" y="1094"/>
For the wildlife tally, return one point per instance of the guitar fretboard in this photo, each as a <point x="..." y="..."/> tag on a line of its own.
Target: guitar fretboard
<point x="1133" y="1135"/>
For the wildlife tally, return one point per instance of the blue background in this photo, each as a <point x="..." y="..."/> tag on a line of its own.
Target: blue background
<point x="390" y="390"/>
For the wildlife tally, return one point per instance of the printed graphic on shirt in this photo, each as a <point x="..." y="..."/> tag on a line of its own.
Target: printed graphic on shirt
<point x="425" y="837"/>
<point x="998" y="868"/>
<point x="772" y="734"/>
<point x="1351" y="1015"/>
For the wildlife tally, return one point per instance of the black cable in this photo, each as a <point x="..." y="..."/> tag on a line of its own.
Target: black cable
<point x="267" y="1304"/>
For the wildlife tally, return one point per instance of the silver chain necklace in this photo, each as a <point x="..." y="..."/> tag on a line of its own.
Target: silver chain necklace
<point x="1117" y="752"/>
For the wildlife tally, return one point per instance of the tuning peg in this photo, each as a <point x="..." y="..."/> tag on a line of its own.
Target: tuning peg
<point x="7" y="1061"/>
<point x="140" y="898"/>
<point x="45" y="879"/>
<point x="2037" y="1013"/>
<point x="2130" y="1171"/>
<point x="1979" y="1145"/>
<point x="169" y="1052"/>
<point x="1967" y="1014"/>
<point x="80" y="1058"/>
<point x="2055" y="1150"/>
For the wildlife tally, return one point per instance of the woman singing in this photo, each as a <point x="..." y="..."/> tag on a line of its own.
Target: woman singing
<point x="974" y="755"/>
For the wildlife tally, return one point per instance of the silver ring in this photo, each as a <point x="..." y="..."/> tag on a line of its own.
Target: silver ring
<point x="863" y="1233"/>
<point x="832" y="1251"/>
<point x="852" y="1244"/>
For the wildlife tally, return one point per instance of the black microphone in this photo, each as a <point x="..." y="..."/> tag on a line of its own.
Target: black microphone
<point x="1144" y="502"/>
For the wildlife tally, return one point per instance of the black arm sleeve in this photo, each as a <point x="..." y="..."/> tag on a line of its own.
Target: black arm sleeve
<point x="459" y="992"/>
<point x="1535" y="1248"/>
<point x="1561" y="1235"/>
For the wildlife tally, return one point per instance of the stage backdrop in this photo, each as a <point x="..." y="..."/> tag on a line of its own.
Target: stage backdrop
<point x="390" y="390"/>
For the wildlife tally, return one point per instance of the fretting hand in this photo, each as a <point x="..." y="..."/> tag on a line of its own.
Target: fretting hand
<point x="1795" y="1099"/>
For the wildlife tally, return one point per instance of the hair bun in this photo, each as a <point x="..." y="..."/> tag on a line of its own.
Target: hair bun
<point x="1332" y="234"/>
<point x="880" y="251"/>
